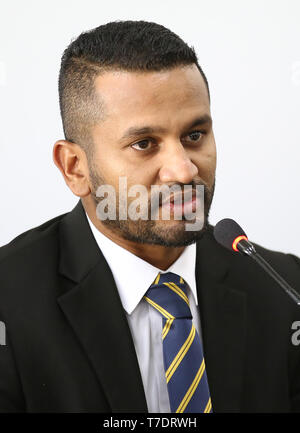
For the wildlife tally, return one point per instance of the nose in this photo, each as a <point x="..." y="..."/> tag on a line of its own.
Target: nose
<point x="176" y="165"/>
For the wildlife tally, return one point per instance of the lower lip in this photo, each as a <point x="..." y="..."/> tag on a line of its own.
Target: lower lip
<point x="186" y="207"/>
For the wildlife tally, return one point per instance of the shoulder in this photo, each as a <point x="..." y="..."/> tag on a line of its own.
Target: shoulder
<point x="275" y="257"/>
<point x="284" y="261"/>
<point x="29" y="262"/>
<point x="244" y="271"/>
<point x="30" y="240"/>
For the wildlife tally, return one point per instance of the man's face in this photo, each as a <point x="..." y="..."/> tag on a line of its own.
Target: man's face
<point x="156" y="131"/>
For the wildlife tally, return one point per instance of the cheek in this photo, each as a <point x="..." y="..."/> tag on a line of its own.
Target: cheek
<point x="206" y="164"/>
<point x="111" y="167"/>
<point x="209" y="155"/>
<point x="106" y="163"/>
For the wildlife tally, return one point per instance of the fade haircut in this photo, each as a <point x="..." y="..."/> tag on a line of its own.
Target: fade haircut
<point x="120" y="45"/>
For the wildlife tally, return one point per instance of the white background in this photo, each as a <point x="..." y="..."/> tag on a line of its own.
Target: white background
<point x="249" y="51"/>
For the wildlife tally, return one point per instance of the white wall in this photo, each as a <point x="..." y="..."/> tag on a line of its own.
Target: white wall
<point x="249" y="51"/>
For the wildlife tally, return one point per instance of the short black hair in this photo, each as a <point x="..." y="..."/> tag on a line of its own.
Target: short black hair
<point x="119" y="45"/>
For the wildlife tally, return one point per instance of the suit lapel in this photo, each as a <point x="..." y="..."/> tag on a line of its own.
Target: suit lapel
<point x="223" y="322"/>
<point x="94" y="310"/>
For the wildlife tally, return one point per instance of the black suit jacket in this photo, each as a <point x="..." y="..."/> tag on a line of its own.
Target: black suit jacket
<point x="69" y="347"/>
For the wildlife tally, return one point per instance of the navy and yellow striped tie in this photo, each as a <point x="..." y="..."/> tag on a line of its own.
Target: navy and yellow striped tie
<point x="182" y="349"/>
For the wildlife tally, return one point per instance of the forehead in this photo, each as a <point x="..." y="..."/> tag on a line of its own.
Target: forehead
<point x="152" y="94"/>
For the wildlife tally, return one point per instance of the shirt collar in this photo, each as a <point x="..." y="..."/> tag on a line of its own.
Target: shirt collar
<point x="133" y="275"/>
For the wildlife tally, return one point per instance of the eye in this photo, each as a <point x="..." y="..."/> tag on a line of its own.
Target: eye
<point x="142" y="145"/>
<point x="195" y="135"/>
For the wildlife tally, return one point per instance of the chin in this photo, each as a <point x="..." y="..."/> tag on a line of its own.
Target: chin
<point x="175" y="235"/>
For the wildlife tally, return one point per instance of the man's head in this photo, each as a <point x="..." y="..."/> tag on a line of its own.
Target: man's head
<point x="133" y="46"/>
<point x="135" y="103"/>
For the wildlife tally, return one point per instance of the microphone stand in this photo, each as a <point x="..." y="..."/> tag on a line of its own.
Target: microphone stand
<point x="245" y="247"/>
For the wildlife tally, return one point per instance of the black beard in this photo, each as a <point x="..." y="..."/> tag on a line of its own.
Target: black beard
<point x="151" y="231"/>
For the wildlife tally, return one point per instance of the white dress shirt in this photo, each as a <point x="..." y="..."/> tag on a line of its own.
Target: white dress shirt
<point x="133" y="277"/>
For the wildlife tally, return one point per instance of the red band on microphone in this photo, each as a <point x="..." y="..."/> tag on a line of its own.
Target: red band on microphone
<point x="237" y="240"/>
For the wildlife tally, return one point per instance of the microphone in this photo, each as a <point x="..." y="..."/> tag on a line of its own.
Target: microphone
<point x="231" y="236"/>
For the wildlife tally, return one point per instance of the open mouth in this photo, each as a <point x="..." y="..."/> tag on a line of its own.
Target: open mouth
<point x="181" y="202"/>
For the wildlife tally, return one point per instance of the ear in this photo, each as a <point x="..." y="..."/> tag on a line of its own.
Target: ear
<point x="71" y="160"/>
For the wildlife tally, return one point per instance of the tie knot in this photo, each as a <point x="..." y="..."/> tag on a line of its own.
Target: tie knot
<point x="168" y="294"/>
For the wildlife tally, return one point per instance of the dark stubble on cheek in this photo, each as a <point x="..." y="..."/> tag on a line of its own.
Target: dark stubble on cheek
<point x="149" y="231"/>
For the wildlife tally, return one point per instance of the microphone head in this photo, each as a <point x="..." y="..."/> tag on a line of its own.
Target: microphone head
<point x="228" y="233"/>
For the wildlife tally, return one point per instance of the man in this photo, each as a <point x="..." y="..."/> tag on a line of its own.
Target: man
<point x="87" y="329"/>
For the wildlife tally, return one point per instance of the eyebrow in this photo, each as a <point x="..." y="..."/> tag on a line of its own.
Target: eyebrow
<point x="137" y="131"/>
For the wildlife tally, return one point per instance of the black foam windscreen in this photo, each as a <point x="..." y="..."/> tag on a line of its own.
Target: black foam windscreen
<point x="226" y="231"/>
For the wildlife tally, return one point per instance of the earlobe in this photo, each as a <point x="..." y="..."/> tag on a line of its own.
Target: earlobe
<point x="71" y="161"/>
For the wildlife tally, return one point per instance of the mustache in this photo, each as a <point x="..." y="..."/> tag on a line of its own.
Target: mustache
<point x="185" y="187"/>
<point x="155" y="199"/>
